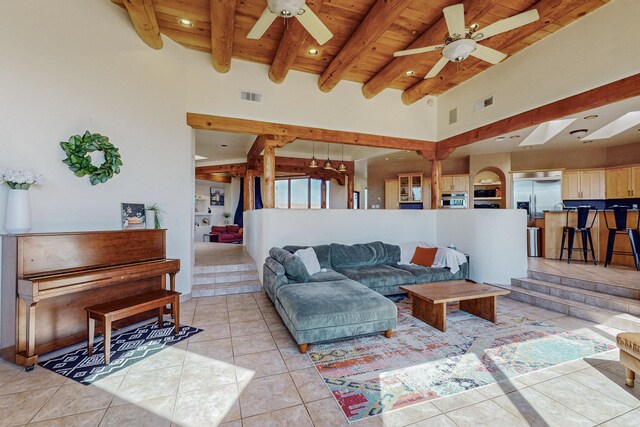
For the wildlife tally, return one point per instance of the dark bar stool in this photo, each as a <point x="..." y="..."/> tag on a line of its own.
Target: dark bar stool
<point x="584" y="227"/>
<point x="620" y="219"/>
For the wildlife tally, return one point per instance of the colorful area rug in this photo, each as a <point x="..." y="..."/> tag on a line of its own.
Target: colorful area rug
<point x="370" y="375"/>
<point x="127" y="348"/>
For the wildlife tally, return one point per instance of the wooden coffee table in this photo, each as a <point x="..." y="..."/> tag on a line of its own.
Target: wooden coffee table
<point x="429" y="301"/>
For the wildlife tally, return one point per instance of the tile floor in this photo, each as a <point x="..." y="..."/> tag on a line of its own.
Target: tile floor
<point x="245" y="370"/>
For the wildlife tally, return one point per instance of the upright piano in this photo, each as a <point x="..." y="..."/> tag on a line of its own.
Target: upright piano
<point x="48" y="279"/>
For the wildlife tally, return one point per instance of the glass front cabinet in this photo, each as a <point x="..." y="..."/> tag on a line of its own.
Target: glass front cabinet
<point x="410" y="188"/>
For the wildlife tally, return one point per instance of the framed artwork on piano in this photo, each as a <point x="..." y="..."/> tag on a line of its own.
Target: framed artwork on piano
<point x="133" y="216"/>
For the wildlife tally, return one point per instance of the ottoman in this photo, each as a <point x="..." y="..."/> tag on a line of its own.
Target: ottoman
<point x="629" y="343"/>
<point x="323" y="311"/>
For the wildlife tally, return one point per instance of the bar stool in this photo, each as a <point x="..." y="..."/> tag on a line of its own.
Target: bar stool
<point x="583" y="213"/>
<point x="620" y="218"/>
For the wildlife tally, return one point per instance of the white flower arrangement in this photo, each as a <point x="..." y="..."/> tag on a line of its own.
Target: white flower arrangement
<point x="20" y="179"/>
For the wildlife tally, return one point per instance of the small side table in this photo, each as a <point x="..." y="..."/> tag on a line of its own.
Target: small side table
<point x="213" y="237"/>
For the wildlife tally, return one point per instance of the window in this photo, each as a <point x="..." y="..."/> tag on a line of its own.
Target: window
<point x="299" y="193"/>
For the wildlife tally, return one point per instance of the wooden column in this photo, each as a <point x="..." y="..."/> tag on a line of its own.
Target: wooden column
<point x="350" y="191"/>
<point x="249" y="191"/>
<point x="436" y="176"/>
<point x="269" y="175"/>
<point x="323" y="194"/>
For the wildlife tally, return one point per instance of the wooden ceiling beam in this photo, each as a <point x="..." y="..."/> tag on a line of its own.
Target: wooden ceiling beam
<point x="435" y="34"/>
<point x="294" y="37"/>
<point x="380" y="17"/>
<point x="549" y="11"/>
<point x="237" y="169"/>
<point x="619" y="90"/>
<point x="222" y="24"/>
<point x="214" y="178"/>
<point x="143" y="18"/>
<point x="235" y="125"/>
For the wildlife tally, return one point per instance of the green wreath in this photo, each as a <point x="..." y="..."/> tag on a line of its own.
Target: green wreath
<point x="78" y="159"/>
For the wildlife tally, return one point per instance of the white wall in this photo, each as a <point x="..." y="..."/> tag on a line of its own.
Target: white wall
<point x="597" y="49"/>
<point x="495" y="241"/>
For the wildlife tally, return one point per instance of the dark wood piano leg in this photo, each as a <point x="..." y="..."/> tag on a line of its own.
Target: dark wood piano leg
<point x="107" y="340"/>
<point x="175" y="308"/>
<point x="91" y="331"/>
<point x="160" y="319"/>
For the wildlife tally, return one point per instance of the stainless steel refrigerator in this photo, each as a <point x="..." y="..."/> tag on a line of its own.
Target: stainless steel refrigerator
<point x="537" y="192"/>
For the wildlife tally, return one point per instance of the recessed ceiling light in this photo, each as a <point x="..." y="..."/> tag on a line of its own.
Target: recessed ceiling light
<point x="527" y="147"/>
<point x="197" y="157"/>
<point x="590" y="117"/>
<point x="500" y="138"/>
<point x="399" y="157"/>
<point x="579" y="133"/>
<point x="223" y="145"/>
<point x="514" y="136"/>
<point x="313" y="51"/>
<point x="185" y="22"/>
<point x="586" y="141"/>
<point x="386" y="158"/>
<point x="409" y="73"/>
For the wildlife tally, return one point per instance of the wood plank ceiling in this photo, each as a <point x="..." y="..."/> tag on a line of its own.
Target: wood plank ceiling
<point x="366" y="33"/>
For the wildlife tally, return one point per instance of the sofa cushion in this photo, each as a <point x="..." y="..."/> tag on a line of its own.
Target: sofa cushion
<point x="309" y="259"/>
<point x="333" y="304"/>
<point x="218" y="229"/>
<point x="393" y="254"/>
<point x="361" y="254"/>
<point x="378" y="276"/>
<point x="428" y="274"/>
<point x="233" y="228"/>
<point x="293" y="266"/>
<point x="327" y="276"/>
<point x="323" y="252"/>
<point x="629" y="342"/>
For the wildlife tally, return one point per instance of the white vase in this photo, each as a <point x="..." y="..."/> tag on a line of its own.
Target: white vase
<point x="150" y="219"/>
<point x="18" y="218"/>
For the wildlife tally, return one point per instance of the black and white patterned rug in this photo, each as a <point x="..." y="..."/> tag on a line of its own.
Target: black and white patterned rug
<point x="127" y="349"/>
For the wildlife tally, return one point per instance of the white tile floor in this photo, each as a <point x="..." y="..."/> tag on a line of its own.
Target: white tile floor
<point x="245" y="370"/>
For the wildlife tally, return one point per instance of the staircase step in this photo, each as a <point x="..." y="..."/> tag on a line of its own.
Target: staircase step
<point x="229" y="277"/>
<point x="626" y="322"/>
<point x="226" y="288"/>
<point x="606" y="288"/>
<point x="225" y="268"/>
<point x="561" y="305"/>
<point x="592" y="298"/>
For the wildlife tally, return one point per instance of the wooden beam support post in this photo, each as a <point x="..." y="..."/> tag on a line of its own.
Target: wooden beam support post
<point x="292" y="40"/>
<point x="433" y="35"/>
<point x="549" y="10"/>
<point x="323" y="194"/>
<point x="249" y="191"/>
<point x="350" y="182"/>
<point x="269" y="176"/>
<point x="436" y="177"/>
<point x="143" y="18"/>
<point x="222" y="22"/>
<point x="380" y="17"/>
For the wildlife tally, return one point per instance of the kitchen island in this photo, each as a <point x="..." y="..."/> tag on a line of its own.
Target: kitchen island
<point x="552" y="231"/>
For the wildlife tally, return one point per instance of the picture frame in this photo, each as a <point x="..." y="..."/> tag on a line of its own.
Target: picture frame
<point x="133" y="216"/>
<point x="217" y="196"/>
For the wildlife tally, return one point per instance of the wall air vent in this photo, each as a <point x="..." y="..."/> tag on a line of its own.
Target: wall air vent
<point x="483" y="103"/>
<point x="250" y="96"/>
<point x="453" y="116"/>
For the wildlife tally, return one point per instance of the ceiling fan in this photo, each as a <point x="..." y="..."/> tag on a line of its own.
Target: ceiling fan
<point x="463" y="41"/>
<point x="291" y="9"/>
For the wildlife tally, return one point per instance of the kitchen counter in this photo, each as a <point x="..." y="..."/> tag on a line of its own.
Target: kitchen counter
<point x="554" y="221"/>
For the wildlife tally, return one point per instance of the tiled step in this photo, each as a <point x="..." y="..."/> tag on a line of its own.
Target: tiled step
<point x="226" y="268"/>
<point x="589" y="297"/>
<point x="626" y="322"/>
<point x="562" y="305"/>
<point x="605" y="288"/>
<point x="226" y="277"/>
<point x="209" y="290"/>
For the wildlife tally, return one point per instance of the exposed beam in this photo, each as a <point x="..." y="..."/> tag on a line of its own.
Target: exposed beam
<point x="549" y="10"/>
<point x="380" y="17"/>
<point x="222" y="19"/>
<point x="619" y="90"/>
<point x="432" y="36"/>
<point x="436" y="187"/>
<point x="229" y="124"/>
<point x="269" y="176"/>
<point x="237" y="169"/>
<point x="213" y="177"/>
<point x="249" y="192"/>
<point x="256" y="149"/>
<point x="143" y="18"/>
<point x="292" y="40"/>
<point x="350" y="183"/>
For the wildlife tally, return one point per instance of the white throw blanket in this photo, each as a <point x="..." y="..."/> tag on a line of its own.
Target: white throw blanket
<point x="447" y="257"/>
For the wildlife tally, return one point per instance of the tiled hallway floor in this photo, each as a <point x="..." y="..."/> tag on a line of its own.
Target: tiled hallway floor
<point x="245" y="370"/>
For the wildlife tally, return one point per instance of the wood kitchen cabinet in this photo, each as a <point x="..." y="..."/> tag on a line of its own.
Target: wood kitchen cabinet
<point x="410" y="188"/>
<point x="623" y="183"/>
<point x="583" y="184"/>
<point x="455" y="183"/>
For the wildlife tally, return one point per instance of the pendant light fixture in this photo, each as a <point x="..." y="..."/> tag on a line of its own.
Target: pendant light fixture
<point x="328" y="164"/>
<point x="342" y="167"/>
<point x="313" y="163"/>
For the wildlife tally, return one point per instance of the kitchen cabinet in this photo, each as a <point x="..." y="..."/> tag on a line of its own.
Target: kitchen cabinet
<point x="455" y="183"/>
<point x="623" y="183"/>
<point x="410" y="188"/>
<point x="391" y="194"/>
<point x="583" y="184"/>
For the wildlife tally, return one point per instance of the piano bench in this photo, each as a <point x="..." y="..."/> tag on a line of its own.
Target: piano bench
<point x="119" y="309"/>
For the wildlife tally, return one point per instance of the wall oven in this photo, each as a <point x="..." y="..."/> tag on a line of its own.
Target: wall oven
<point x="453" y="201"/>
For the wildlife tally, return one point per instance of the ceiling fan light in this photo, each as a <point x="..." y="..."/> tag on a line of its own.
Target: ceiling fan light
<point x="286" y="8"/>
<point x="459" y="50"/>
<point x="313" y="163"/>
<point x="579" y="133"/>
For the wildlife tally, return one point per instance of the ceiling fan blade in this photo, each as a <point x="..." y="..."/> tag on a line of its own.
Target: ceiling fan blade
<point x="262" y="24"/>
<point x="314" y="26"/>
<point x="418" y="50"/>
<point x="487" y="54"/>
<point x="437" y="68"/>
<point x="454" y="15"/>
<point x="507" y="24"/>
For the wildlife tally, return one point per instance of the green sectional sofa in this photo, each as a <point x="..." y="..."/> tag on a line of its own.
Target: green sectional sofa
<point x="348" y="298"/>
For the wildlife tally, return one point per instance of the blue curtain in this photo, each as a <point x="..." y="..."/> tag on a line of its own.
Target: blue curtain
<point x="237" y="217"/>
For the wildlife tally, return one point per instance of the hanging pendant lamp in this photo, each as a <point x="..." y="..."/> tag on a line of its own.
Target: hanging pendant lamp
<point x="328" y="165"/>
<point x="313" y="163"/>
<point x="342" y="167"/>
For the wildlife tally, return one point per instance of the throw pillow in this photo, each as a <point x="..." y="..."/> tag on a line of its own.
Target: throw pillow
<point x="233" y="228"/>
<point x="218" y="229"/>
<point x="424" y="256"/>
<point x="309" y="259"/>
<point x="407" y="250"/>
